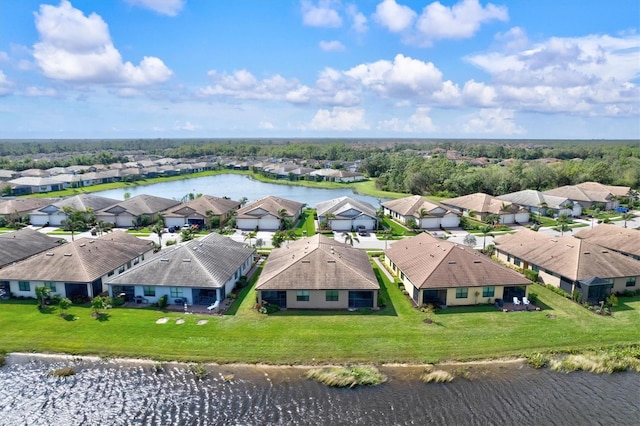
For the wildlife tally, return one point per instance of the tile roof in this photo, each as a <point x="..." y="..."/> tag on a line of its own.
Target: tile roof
<point x="317" y="263"/>
<point x="24" y="205"/>
<point x="142" y="204"/>
<point x="533" y="198"/>
<point x="430" y="262"/>
<point x="567" y="256"/>
<point x="620" y="191"/>
<point x="82" y="261"/>
<point x="337" y="206"/>
<point x="271" y="205"/>
<point x="613" y="237"/>
<point x="26" y="242"/>
<point x="575" y="193"/>
<point x="201" y="205"/>
<point x="412" y="205"/>
<point x="482" y="203"/>
<point x="207" y="262"/>
<point x="84" y="202"/>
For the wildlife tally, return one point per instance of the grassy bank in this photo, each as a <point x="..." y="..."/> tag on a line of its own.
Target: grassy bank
<point x="397" y="333"/>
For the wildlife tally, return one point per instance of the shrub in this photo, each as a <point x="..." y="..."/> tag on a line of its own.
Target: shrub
<point x="558" y="290"/>
<point x="163" y="301"/>
<point x="533" y="298"/>
<point x="531" y="275"/>
<point x="381" y="301"/>
<point x="242" y="281"/>
<point x="437" y="376"/>
<point x="537" y="360"/>
<point x="171" y="243"/>
<point x="347" y="376"/>
<point x="232" y="296"/>
<point x="118" y="301"/>
<point x="63" y="372"/>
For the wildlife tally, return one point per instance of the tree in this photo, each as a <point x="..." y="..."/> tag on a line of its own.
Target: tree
<point x="504" y="208"/>
<point x="250" y="236"/>
<point x="64" y="304"/>
<point x="127" y="195"/>
<point x="633" y="195"/>
<point x="486" y="230"/>
<point x="100" y="302"/>
<point x="325" y="223"/>
<point x="187" y="234"/>
<point x="469" y="240"/>
<point x="385" y="235"/>
<point x="42" y="293"/>
<point x="243" y="201"/>
<point x="77" y="219"/>
<point x="627" y="217"/>
<point x="349" y="238"/>
<point x="492" y="219"/>
<point x="282" y="215"/>
<point x="280" y="237"/>
<point x="563" y="222"/>
<point x="158" y="229"/>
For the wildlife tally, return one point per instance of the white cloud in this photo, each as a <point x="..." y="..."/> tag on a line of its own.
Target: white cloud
<point x="462" y="20"/>
<point x="418" y="122"/>
<point x="394" y="17"/>
<point x="63" y="55"/>
<point x="187" y="125"/>
<point x="513" y="40"/>
<point x="5" y="84"/>
<point x="242" y="84"/>
<point x="478" y="94"/>
<point x="331" y="46"/>
<point x="359" y="21"/>
<point x="163" y="7"/>
<point x="493" y="121"/>
<point x="3" y="56"/>
<point x="266" y="125"/>
<point x="324" y="14"/>
<point x="33" y="91"/>
<point x="339" y="119"/>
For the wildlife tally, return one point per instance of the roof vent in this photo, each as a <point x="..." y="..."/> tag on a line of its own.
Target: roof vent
<point x="186" y="260"/>
<point x="164" y="260"/>
<point x="553" y="241"/>
<point x="82" y="245"/>
<point x="306" y="261"/>
<point x="452" y="262"/>
<point x="49" y="254"/>
<point x="587" y="252"/>
<point x="570" y="245"/>
<point x="92" y="241"/>
<point x="331" y="261"/>
<point x="605" y="251"/>
<point x="477" y="261"/>
<point x="68" y="254"/>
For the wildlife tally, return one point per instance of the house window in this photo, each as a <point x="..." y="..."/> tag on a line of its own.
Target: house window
<point x="176" y="292"/>
<point x="508" y="258"/>
<point x="462" y="293"/>
<point x="488" y="291"/>
<point x="149" y="290"/>
<point x="631" y="282"/>
<point x="516" y="261"/>
<point x="136" y="260"/>
<point x="51" y="285"/>
<point x="302" y="295"/>
<point x="121" y="270"/>
<point x="110" y="273"/>
<point x="535" y="268"/>
<point x="331" y="295"/>
<point x="24" y="286"/>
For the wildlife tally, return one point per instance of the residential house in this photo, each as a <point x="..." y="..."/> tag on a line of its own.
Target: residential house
<point x="318" y="273"/>
<point x="15" y="208"/>
<point x="618" y="191"/>
<point x="267" y="213"/>
<point x="481" y="205"/>
<point x="541" y="203"/>
<point x="586" y="198"/>
<point x="77" y="269"/>
<point x="570" y="263"/>
<point x="622" y="240"/>
<point x="34" y="185"/>
<point x="199" y="211"/>
<point x="198" y="272"/>
<point x="53" y="213"/>
<point x="125" y="213"/>
<point x="444" y="273"/>
<point x="347" y="214"/>
<point x="18" y="245"/>
<point x="427" y="214"/>
<point x="336" y="175"/>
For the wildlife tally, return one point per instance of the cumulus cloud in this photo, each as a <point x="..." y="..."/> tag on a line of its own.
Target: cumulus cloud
<point x="163" y="7"/>
<point x="394" y="17"/>
<point x="493" y="121"/>
<point x="62" y="55"/>
<point x="323" y="14"/>
<point x="513" y="40"/>
<point x="187" y="126"/>
<point x="331" y="46"/>
<point x="581" y="75"/>
<point x="359" y="21"/>
<point x="35" y="92"/>
<point x="339" y="119"/>
<point x="419" y="122"/>
<point x="462" y="20"/>
<point x="5" y="84"/>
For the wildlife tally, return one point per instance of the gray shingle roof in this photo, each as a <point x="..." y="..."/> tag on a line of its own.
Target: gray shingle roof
<point x="19" y="245"/>
<point x="271" y="205"/>
<point x="339" y="205"/>
<point x="207" y="262"/>
<point x="410" y="206"/>
<point x="200" y="205"/>
<point x="317" y="263"/>
<point x="85" y="201"/>
<point x="616" y="238"/>
<point x="24" y="205"/>
<point x="533" y="198"/>
<point x="430" y="262"/>
<point x="143" y="204"/>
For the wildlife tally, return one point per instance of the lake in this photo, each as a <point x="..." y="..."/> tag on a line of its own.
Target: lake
<point x="235" y="187"/>
<point x="108" y="392"/>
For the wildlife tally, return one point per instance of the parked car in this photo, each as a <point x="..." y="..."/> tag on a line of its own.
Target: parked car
<point x="362" y="231"/>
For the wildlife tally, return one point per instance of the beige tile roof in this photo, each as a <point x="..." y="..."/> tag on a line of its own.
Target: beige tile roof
<point x="575" y="193"/>
<point x="141" y="204"/>
<point x="482" y="203"/>
<point x="82" y="261"/>
<point x="567" y="256"/>
<point x="620" y="191"/>
<point x="623" y="240"/>
<point x="533" y="198"/>
<point x="201" y="205"/>
<point x="411" y="206"/>
<point x="18" y="245"/>
<point x="271" y="205"/>
<point x="430" y="262"/>
<point x="23" y="205"/>
<point x="338" y="206"/>
<point x="317" y="263"/>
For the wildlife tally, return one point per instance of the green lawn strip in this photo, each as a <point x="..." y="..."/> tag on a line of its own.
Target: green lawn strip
<point x="396" y="228"/>
<point x="302" y="337"/>
<point x="306" y="223"/>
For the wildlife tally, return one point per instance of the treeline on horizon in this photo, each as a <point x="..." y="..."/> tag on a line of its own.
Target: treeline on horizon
<point x="398" y="165"/>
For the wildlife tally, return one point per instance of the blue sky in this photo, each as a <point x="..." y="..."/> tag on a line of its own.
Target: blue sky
<point x="543" y="69"/>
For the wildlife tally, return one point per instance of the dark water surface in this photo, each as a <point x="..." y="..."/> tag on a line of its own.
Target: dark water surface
<point x="129" y="393"/>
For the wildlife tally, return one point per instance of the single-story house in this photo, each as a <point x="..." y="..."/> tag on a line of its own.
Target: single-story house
<point x="267" y="213"/>
<point x="79" y="268"/>
<point x="444" y="273"/>
<point x="622" y="240"/>
<point x="54" y="214"/>
<point x="586" y="198"/>
<point x="570" y="263"/>
<point x="318" y="273"/>
<point x="482" y="205"/>
<point x="336" y="175"/>
<point x="33" y="185"/>
<point x="198" y="272"/>
<point x="539" y="203"/>
<point x="347" y="214"/>
<point x="199" y="210"/>
<point x="427" y="214"/>
<point x="124" y="213"/>
<point x="618" y="191"/>
<point x="15" y="208"/>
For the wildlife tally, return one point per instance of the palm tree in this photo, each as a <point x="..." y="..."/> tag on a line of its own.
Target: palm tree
<point x="503" y="209"/>
<point x="250" y="236"/>
<point x="349" y="238"/>
<point x="158" y="229"/>
<point x="632" y="194"/>
<point x="282" y="215"/>
<point x="243" y="201"/>
<point x="485" y="230"/>
<point x="627" y="217"/>
<point x="492" y="219"/>
<point x="563" y="222"/>
<point x="326" y="222"/>
<point x="595" y="214"/>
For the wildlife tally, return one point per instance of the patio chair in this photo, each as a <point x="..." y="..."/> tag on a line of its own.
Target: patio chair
<point x="525" y="301"/>
<point x="214" y="306"/>
<point x="516" y="301"/>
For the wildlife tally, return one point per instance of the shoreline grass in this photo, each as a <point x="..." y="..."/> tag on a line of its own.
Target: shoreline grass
<point x="341" y="377"/>
<point x="437" y="376"/>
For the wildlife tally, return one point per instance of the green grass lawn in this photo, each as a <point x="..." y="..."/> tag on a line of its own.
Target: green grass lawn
<point x="306" y="223"/>
<point x="396" y="228"/>
<point x="395" y="334"/>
